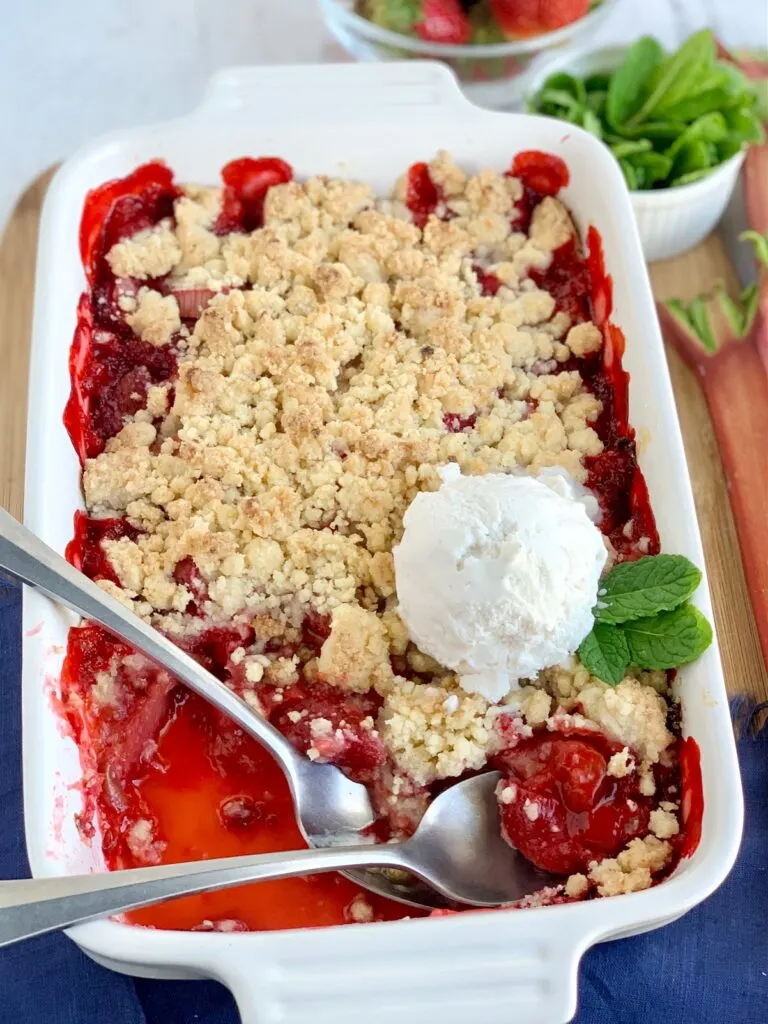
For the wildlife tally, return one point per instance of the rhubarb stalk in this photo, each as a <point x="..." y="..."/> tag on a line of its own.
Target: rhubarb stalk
<point x="721" y="340"/>
<point x="725" y="341"/>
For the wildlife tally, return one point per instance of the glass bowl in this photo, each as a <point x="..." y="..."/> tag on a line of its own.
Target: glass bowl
<point x="492" y="75"/>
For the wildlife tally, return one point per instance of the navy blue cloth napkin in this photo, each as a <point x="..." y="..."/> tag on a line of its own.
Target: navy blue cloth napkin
<point x="711" y="967"/>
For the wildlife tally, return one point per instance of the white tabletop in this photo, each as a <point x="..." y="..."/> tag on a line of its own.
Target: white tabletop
<point x="72" y="69"/>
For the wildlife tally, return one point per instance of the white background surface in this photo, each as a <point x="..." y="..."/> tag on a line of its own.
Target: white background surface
<point x="72" y="69"/>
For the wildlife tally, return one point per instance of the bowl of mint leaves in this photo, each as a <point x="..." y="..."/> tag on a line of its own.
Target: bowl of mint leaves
<point x="677" y="123"/>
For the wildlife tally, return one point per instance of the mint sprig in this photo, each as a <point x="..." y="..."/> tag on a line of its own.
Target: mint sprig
<point x="656" y="583"/>
<point x="668" y="640"/>
<point x="643" y="618"/>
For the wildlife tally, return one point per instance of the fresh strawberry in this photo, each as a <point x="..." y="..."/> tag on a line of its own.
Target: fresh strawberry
<point x="556" y="13"/>
<point x="527" y="17"/>
<point x="517" y="17"/>
<point x="443" y="21"/>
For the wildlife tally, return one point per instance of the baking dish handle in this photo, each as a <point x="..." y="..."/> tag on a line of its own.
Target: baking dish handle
<point x="314" y="92"/>
<point x="528" y="975"/>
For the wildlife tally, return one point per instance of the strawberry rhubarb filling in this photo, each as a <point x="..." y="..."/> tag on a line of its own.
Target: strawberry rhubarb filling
<point x="266" y="377"/>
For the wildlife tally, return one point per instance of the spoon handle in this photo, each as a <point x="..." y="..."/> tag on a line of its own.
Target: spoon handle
<point x="34" y="906"/>
<point x="26" y="557"/>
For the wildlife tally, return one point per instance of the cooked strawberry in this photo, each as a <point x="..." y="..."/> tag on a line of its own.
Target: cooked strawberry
<point x="443" y="21"/>
<point x="527" y="17"/>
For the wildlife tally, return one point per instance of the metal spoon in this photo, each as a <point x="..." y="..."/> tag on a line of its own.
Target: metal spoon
<point x="330" y="808"/>
<point x="457" y="849"/>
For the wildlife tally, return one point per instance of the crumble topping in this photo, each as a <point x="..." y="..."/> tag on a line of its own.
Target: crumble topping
<point x="156" y="317"/>
<point x="340" y="355"/>
<point x="577" y="886"/>
<point x="143" y="844"/>
<point x="432" y="736"/>
<point x="104" y="690"/>
<point x="359" y="910"/>
<point x="531" y="704"/>
<point x="621" y="764"/>
<point x="647" y="779"/>
<point x="551" y="225"/>
<point x="664" y="823"/>
<point x="584" y="339"/>
<point x="629" y="713"/>
<point x="633" y="869"/>
<point x="149" y="253"/>
<point x="508" y="794"/>
<point x="337" y="351"/>
<point x="356" y="654"/>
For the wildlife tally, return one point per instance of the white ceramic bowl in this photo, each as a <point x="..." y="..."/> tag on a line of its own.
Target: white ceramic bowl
<point x="365" y="121"/>
<point x="492" y="75"/>
<point x="672" y="220"/>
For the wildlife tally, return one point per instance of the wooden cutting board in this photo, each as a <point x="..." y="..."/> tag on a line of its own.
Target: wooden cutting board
<point x="682" y="277"/>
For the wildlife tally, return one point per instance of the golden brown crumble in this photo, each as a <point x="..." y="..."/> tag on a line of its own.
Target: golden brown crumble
<point x="633" y="869"/>
<point x="156" y="318"/>
<point x="356" y="654"/>
<point x="309" y="408"/>
<point x="577" y="886"/>
<point x="629" y="713"/>
<point x="359" y="911"/>
<point x="335" y="346"/>
<point x="434" y="731"/>
<point x="621" y="764"/>
<point x="664" y="823"/>
<point x="149" y="253"/>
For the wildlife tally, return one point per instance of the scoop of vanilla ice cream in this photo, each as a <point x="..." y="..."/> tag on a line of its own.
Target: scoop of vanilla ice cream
<point x="497" y="575"/>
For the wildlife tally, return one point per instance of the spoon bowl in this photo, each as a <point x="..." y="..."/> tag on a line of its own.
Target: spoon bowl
<point x="458" y="848"/>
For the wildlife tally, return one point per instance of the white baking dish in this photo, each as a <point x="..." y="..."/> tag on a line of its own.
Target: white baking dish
<point x="370" y="122"/>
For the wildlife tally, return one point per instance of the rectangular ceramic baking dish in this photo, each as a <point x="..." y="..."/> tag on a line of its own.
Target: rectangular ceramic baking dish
<point x="368" y="122"/>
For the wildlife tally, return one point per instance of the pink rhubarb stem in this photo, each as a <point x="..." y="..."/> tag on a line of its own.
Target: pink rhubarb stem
<point x="736" y="388"/>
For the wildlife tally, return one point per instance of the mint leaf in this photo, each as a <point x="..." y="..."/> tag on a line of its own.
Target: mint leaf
<point x="655" y="166"/>
<point x="690" y="177"/>
<point x="627" y="147"/>
<point x="631" y="176"/>
<point x="561" y="81"/>
<point x="635" y="590"/>
<point x="656" y="131"/>
<point x="559" y="103"/>
<point x="693" y="158"/>
<point x="668" y="640"/>
<point x="591" y="123"/>
<point x="605" y="653"/>
<point x="744" y="125"/>
<point x="628" y="83"/>
<point x="599" y="81"/>
<point x="691" y="107"/>
<point x="710" y="127"/>
<point x="678" y="76"/>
